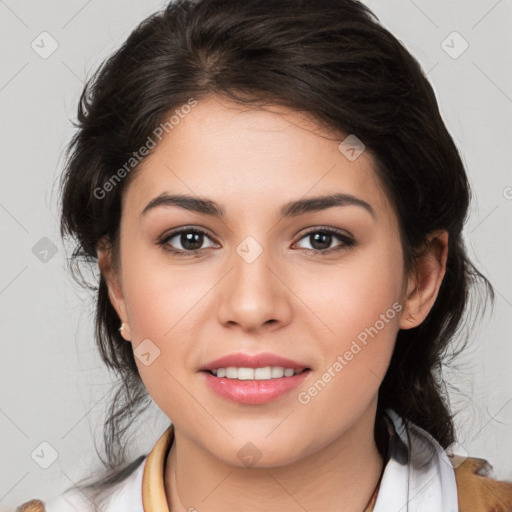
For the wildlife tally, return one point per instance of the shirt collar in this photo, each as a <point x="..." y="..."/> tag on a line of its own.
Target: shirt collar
<point x="419" y="476"/>
<point x="153" y="490"/>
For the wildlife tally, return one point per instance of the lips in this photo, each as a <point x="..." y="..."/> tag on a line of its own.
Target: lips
<point x="261" y="360"/>
<point x="253" y="391"/>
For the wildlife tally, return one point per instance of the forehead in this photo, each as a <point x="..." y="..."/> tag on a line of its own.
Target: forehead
<point x="250" y="159"/>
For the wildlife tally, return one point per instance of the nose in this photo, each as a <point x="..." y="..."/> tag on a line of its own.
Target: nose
<point x="254" y="295"/>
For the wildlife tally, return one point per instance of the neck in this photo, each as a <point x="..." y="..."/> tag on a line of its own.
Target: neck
<point x="341" y="477"/>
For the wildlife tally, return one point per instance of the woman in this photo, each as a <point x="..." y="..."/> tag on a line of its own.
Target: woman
<point x="276" y="209"/>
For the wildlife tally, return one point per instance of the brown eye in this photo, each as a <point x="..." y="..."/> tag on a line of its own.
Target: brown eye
<point x="321" y="240"/>
<point x="190" y="240"/>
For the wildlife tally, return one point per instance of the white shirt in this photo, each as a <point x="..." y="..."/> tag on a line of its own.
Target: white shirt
<point x="418" y="477"/>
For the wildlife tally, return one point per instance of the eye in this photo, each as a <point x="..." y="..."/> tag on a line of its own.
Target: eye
<point x="322" y="238"/>
<point x="191" y="239"/>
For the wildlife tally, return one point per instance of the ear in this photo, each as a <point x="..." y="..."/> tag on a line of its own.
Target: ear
<point x="423" y="286"/>
<point x="115" y="293"/>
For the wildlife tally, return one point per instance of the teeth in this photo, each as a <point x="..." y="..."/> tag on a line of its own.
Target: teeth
<point x="266" y="373"/>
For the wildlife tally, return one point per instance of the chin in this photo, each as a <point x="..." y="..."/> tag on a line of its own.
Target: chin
<point x="258" y="453"/>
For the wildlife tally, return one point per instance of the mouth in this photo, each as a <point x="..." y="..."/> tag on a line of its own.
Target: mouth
<point x="254" y="386"/>
<point x="253" y="379"/>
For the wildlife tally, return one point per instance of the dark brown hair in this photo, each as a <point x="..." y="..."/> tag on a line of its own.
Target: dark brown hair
<point x="329" y="58"/>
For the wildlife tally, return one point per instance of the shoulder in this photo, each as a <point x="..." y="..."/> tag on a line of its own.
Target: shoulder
<point x="476" y="490"/>
<point x="469" y="484"/>
<point x="125" y="495"/>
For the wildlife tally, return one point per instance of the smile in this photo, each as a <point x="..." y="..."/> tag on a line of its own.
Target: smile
<point x="264" y="373"/>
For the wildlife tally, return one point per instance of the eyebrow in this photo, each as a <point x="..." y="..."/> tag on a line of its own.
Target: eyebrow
<point x="290" y="209"/>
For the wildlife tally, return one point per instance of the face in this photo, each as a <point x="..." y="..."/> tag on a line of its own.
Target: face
<point x="322" y="287"/>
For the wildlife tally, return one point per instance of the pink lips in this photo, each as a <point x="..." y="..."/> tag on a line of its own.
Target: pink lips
<point x="253" y="391"/>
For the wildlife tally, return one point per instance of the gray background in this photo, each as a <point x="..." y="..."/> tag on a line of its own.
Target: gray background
<point x="53" y="386"/>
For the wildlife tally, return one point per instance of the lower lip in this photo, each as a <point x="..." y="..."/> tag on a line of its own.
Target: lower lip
<point x="254" y="392"/>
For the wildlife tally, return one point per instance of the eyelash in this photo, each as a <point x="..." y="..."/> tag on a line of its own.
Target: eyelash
<point x="347" y="241"/>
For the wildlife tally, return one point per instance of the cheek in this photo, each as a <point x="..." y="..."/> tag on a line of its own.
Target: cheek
<point x="161" y="296"/>
<point x="359" y="306"/>
<point x="354" y="294"/>
<point x="165" y="305"/>
<point x="355" y="362"/>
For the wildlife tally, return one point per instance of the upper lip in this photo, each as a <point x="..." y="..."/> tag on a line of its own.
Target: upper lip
<point x="261" y="360"/>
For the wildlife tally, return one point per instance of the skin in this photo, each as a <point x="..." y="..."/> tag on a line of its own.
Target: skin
<point x="319" y="456"/>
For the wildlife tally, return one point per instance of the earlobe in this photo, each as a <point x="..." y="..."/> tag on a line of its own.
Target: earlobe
<point x="423" y="286"/>
<point x="115" y="292"/>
